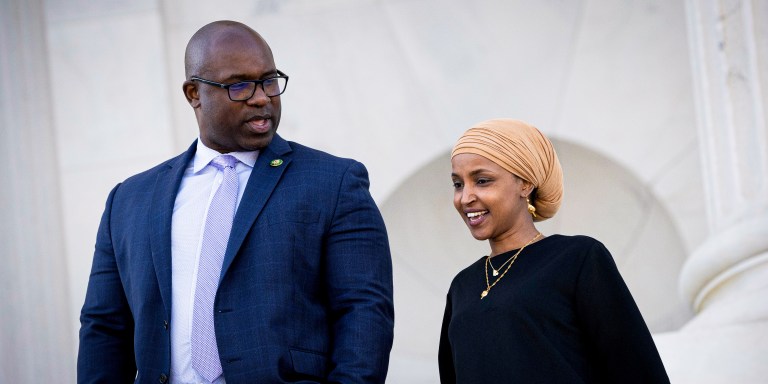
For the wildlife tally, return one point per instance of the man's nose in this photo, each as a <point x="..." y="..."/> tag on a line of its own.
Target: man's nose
<point x="259" y="97"/>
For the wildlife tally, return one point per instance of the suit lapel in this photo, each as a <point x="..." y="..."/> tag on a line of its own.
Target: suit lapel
<point x="262" y="182"/>
<point x="161" y="214"/>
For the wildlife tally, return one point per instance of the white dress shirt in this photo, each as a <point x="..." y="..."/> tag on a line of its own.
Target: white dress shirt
<point x="198" y="185"/>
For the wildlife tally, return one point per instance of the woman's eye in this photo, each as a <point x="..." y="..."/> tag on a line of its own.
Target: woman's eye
<point x="483" y="181"/>
<point x="456" y="185"/>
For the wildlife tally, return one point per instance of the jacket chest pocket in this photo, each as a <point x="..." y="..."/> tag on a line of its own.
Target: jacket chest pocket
<point x="289" y="242"/>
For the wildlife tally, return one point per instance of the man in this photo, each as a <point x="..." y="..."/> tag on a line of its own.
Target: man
<point x="298" y="290"/>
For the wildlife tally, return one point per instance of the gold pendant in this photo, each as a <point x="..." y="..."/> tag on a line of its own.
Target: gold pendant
<point x="495" y="272"/>
<point x="484" y="294"/>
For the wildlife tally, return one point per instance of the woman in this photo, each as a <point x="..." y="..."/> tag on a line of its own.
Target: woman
<point x="538" y="309"/>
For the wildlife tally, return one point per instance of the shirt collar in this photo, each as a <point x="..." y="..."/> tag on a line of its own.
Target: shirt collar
<point x="204" y="155"/>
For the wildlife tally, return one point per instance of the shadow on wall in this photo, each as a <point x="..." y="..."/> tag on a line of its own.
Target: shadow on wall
<point x="430" y="243"/>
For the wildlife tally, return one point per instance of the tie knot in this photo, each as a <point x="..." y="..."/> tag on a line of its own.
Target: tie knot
<point x="223" y="161"/>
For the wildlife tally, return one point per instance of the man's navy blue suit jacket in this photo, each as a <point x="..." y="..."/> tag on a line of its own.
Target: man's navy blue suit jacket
<point x="305" y="293"/>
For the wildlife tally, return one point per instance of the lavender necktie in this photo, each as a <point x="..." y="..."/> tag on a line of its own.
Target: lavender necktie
<point x="218" y="224"/>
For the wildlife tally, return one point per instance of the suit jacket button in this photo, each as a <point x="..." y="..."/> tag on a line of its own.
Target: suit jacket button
<point x="165" y="324"/>
<point x="163" y="378"/>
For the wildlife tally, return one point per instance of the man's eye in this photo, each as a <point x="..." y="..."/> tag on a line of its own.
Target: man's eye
<point x="239" y="86"/>
<point x="456" y="185"/>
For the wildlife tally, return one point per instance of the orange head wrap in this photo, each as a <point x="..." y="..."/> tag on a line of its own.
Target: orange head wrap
<point x="522" y="149"/>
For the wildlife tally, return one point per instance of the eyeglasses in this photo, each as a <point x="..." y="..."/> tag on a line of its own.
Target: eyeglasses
<point x="244" y="90"/>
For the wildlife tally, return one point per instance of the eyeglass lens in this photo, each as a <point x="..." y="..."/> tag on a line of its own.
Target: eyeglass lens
<point x="246" y="89"/>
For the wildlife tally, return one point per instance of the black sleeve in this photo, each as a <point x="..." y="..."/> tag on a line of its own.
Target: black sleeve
<point x="445" y="353"/>
<point x="621" y="349"/>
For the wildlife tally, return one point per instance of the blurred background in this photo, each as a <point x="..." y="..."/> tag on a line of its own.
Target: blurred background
<point x="657" y="109"/>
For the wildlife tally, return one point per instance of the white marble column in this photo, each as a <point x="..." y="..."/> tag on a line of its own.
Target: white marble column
<point x="36" y="344"/>
<point x="729" y="47"/>
<point x="726" y="278"/>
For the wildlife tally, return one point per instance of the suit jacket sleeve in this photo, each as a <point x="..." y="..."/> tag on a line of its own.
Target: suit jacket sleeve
<point x="106" y="331"/>
<point x="359" y="280"/>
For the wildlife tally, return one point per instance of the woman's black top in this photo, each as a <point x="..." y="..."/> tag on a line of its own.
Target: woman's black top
<point x="561" y="314"/>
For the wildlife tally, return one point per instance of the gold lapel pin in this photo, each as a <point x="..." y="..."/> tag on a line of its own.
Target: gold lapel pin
<point x="276" y="162"/>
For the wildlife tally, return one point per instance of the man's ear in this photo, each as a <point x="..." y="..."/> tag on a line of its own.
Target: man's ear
<point x="191" y="93"/>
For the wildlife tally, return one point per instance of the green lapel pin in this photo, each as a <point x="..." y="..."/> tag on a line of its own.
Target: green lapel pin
<point x="276" y="162"/>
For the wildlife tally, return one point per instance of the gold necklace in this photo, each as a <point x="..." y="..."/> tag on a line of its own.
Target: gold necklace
<point x="496" y="270"/>
<point x="511" y="261"/>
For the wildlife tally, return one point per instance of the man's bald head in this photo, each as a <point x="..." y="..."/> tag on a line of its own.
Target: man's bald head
<point x="218" y="56"/>
<point x="199" y="46"/>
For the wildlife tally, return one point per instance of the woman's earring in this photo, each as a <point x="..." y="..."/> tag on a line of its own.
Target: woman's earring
<point x="531" y="208"/>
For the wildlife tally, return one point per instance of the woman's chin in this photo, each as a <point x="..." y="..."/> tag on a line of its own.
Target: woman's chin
<point x="479" y="236"/>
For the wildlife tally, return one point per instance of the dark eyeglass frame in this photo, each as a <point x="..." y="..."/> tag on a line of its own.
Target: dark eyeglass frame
<point x="280" y="75"/>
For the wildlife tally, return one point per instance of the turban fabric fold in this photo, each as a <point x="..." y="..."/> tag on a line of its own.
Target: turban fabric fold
<point x="523" y="150"/>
